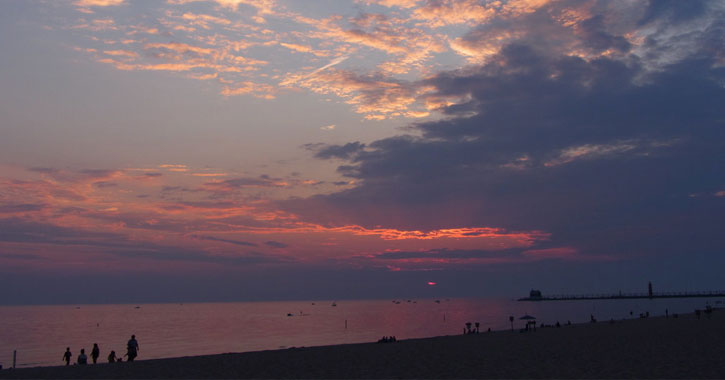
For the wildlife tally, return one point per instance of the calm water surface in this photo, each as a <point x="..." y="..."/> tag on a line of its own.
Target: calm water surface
<point x="41" y="333"/>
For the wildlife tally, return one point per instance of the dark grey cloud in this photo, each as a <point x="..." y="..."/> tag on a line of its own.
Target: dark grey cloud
<point x="210" y="204"/>
<point x="167" y="253"/>
<point x="604" y="154"/>
<point x="593" y="31"/>
<point x="104" y="184"/>
<point x="674" y="11"/>
<point x="444" y="253"/>
<point x="346" y="151"/>
<point x="222" y="240"/>
<point x="244" y="182"/>
<point x="21" y="207"/>
<point x="276" y="244"/>
<point x="16" y="230"/>
<point x="20" y="256"/>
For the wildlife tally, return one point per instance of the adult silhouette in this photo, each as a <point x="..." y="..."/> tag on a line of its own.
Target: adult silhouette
<point x="95" y="353"/>
<point x="67" y="355"/>
<point x="132" y="348"/>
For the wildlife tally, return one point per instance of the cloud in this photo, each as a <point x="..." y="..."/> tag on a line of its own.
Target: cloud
<point x="336" y="151"/>
<point x="393" y="52"/>
<point x="19" y="208"/>
<point x="22" y="231"/>
<point x="445" y="12"/>
<point x="245" y="182"/>
<point x="20" y="256"/>
<point x="444" y="257"/>
<point x="276" y="244"/>
<point x="222" y="240"/>
<point x="377" y="96"/>
<point x="443" y="253"/>
<point x="177" y="254"/>
<point x="552" y="253"/>
<point x="394" y="3"/>
<point x="600" y="151"/>
<point x="97" y="3"/>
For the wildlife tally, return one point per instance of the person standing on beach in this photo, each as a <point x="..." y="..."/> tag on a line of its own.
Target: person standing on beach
<point x="95" y="353"/>
<point x="132" y="348"/>
<point x="67" y="355"/>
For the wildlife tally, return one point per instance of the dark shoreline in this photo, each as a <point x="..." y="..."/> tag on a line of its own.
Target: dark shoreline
<point x="684" y="347"/>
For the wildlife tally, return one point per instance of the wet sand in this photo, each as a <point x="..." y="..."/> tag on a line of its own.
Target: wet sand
<point x="640" y="348"/>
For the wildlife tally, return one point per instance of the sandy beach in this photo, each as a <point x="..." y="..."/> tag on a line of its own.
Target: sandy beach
<point x="684" y="347"/>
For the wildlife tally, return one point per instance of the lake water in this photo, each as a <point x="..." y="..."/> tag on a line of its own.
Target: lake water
<point x="40" y="334"/>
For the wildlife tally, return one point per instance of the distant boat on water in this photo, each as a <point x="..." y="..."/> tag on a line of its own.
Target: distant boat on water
<point x="333" y="303"/>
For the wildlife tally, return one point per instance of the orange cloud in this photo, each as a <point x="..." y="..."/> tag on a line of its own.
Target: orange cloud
<point x="121" y="53"/>
<point x="179" y="48"/>
<point x="394" y="3"/>
<point x="203" y="20"/>
<point x="447" y="12"/>
<point x="259" y="90"/>
<point x="97" y="3"/>
<point x="377" y="97"/>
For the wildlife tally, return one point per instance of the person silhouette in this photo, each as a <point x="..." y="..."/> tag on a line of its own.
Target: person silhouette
<point x="95" y="353"/>
<point x="112" y="357"/>
<point x="67" y="355"/>
<point x="132" y="348"/>
<point x="82" y="358"/>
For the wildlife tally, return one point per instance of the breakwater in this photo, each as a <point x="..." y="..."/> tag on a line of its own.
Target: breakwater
<point x="620" y="295"/>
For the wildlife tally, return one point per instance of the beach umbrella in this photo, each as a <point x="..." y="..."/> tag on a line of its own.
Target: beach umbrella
<point x="529" y="320"/>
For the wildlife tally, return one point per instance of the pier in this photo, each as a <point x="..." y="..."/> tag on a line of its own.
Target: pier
<point x="536" y="295"/>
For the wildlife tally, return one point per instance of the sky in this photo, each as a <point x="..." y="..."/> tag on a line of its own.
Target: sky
<point x="244" y="150"/>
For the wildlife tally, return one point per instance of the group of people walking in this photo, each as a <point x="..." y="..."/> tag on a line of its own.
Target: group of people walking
<point x="132" y="349"/>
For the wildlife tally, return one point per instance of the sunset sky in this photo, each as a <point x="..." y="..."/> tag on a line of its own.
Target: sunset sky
<point x="216" y="150"/>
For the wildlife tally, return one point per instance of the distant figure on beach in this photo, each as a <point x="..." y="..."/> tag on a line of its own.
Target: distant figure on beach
<point x="132" y="347"/>
<point x="95" y="353"/>
<point x="112" y="357"/>
<point x="82" y="358"/>
<point x="387" y="339"/>
<point x="67" y="355"/>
